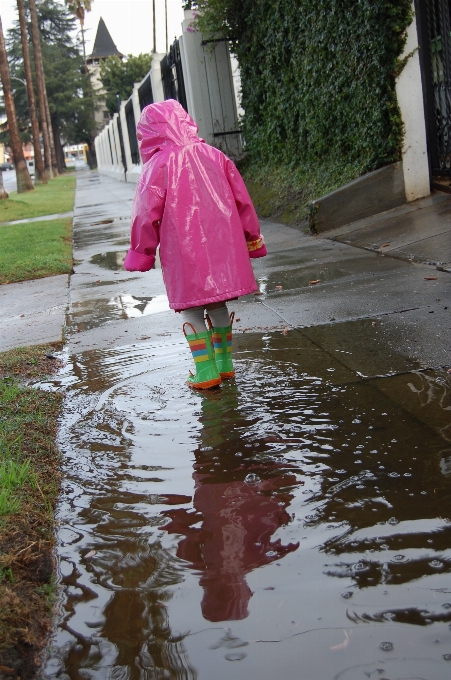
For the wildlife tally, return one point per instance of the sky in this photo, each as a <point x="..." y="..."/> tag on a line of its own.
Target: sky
<point x="128" y="21"/>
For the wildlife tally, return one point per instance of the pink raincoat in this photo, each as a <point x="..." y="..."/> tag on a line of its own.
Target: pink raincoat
<point x="192" y="201"/>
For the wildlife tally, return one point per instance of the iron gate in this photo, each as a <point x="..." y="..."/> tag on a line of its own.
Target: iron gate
<point x="435" y="51"/>
<point x="172" y="75"/>
<point x="131" y="127"/>
<point x="145" y="94"/>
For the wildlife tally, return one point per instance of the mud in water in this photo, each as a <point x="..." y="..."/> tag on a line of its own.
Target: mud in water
<point x="293" y="523"/>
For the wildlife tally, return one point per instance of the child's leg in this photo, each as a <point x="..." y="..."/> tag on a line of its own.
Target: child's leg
<point x="222" y="338"/>
<point x="199" y="340"/>
<point x="194" y="316"/>
<point x="219" y="316"/>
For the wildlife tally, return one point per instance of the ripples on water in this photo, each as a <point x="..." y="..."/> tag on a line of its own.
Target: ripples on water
<point x="294" y="522"/>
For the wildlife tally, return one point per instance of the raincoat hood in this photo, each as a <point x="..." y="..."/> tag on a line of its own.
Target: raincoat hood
<point x="164" y="124"/>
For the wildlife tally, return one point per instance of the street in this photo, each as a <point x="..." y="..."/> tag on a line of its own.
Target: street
<point x="293" y="522"/>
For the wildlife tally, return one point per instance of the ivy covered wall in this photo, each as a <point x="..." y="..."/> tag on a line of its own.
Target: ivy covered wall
<point x="318" y="77"/>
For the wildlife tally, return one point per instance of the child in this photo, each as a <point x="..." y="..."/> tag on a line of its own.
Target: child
<point x="192" y="201"/>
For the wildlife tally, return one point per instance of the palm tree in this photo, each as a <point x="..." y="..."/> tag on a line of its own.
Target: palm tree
<point x="24" y="182"/>
<point x="79" y="9"/>
<point x="40" y="177"/>
<point x="42" y="94"/>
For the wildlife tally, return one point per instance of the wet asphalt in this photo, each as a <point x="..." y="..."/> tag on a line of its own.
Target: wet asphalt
<point x="294" y="522"/>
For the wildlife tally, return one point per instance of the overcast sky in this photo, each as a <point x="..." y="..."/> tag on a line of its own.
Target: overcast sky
<point x="128" y="21"/>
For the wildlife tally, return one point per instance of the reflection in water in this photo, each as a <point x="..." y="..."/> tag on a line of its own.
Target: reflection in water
<point x="229" y="531"/>
<point x="94" y="313"/>
<point x="299" y="505"/>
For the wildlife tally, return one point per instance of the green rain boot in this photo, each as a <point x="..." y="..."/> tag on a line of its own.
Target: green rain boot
<point x="222" y="344"/>
<point x="207" y="374"/>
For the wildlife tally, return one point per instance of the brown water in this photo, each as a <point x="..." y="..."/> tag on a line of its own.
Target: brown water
<point x="292" y="524"/>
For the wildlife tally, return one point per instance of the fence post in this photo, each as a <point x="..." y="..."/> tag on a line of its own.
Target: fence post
<point x="155" y="78"/>
<point x="135" y="102"/>
<point x="126" y="139"/>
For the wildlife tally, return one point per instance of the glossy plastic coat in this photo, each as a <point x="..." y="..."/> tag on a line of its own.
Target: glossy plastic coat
<point x="192" y="201"/>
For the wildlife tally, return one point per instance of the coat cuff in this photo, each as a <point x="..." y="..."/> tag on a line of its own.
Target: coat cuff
<point x="255" y="244"/>
<point x="259" y="252"/>
<point x="138" y="262"/>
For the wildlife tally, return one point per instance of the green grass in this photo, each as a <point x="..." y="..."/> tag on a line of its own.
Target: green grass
<point x="47" y="199"/>
<point x="36" y="249"/>
<point x="29" y="486"/>
<point x="14" y="477"/>
<point x="26" y="429"/>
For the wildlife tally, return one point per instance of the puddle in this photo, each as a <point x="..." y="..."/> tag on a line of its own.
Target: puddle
<point x="94" y="313"/>
<point x="88" y="236"/>
<point x="113" y="260"/>
<point x="288" y="276"/>
<point x="294" y="522"/>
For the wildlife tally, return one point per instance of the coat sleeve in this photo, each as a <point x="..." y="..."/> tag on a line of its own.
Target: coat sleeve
<point x="246" y="211"/>
<point x="147" y="212"/>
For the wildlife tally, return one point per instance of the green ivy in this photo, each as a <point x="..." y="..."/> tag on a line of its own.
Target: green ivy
<point x="318" y="77"/>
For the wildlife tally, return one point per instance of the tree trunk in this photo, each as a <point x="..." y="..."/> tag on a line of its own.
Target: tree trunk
<point x="58" y="147"/>
<point x="39" y="170"/>
<point x="40" y="82"/>
<point x="3" y="193"/>
<point x="24" y="182"/>
<point x="51" y="137"/>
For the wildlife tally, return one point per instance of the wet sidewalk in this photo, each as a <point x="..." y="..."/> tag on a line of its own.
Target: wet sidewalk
<point x="294" y="522"/>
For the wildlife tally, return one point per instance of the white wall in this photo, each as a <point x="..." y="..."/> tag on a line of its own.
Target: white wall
<point x="410" y="98"/>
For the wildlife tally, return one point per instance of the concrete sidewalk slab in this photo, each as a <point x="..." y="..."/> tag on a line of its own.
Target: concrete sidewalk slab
<point x="43" y="218"/>
<point x="420" y="231"/>
<point x="33" y="312"/>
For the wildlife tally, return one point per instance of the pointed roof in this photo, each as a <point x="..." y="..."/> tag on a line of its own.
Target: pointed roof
<point x="104" y="45"/>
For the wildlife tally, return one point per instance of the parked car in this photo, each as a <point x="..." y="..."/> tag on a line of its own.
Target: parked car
<point x="6" y="166"/>
<point x="30" y="166"/>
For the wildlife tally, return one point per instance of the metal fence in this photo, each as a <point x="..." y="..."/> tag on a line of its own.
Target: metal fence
<point x="172" y="75"/>
<point x="131" y="127"/>
<point x="145" y="93"/>
<point x="435" y="53"/>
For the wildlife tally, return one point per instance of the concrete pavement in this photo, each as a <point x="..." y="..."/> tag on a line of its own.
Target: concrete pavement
<point x="374" y="295"/>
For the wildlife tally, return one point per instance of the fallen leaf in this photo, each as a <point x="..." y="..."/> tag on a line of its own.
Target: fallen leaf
<point x="449" y="370"/>
<point x="313" y="283"/>
<point x="385" y="245"/>
<point x="343" y="644"/>
<point x="258" y="292"/>
<point x="430" y="278"/>
<point x="373" y="323"/>
<point x="238" y="319"/>
<point x="285" y="331"/>
<point x="22" y="315"/>
<point x="90" y="554"/>
<point x="279" y="287"/>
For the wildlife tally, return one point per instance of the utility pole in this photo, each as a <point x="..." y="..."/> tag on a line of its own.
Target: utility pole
<point x="154" y="49"/>
<point x="166" y="23"/>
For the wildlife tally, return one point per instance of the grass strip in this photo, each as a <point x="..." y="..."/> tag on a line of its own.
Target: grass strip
<point x="47" y="199"/>
<point x="29" y="486"/>
<point x="36" y="249"/>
